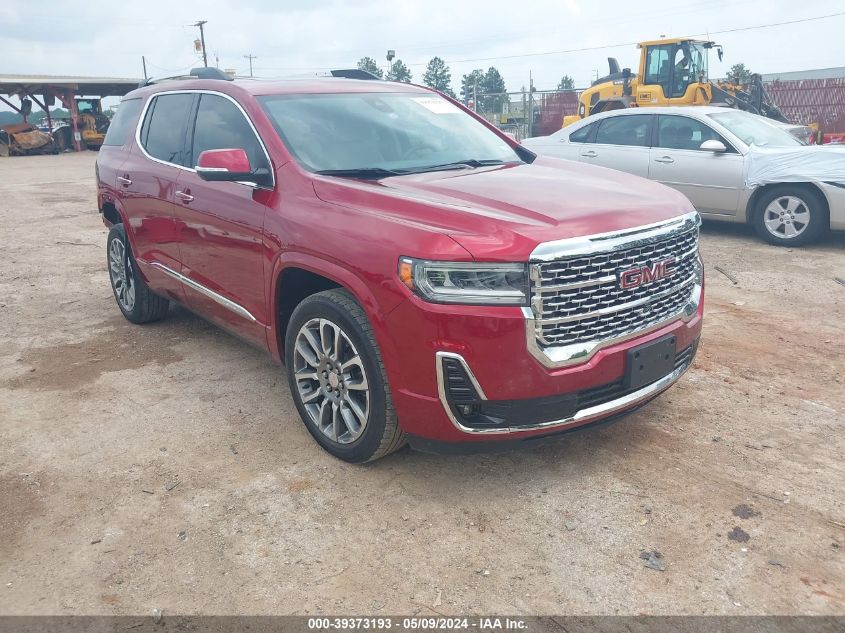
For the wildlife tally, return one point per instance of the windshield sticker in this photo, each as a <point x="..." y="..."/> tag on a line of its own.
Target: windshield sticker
<point x="437" y="105"/>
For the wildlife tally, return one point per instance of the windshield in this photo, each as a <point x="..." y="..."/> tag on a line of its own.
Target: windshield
<point x="86" y="105"/>
<point x="393" y="132"/>
<point x="752" y="131"/>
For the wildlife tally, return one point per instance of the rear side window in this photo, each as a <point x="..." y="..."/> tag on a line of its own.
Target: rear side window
<point x="123" y="122"/>
<point x="582" y="135"/>
<point x="163" y="132"/>
<point x="220" y="124"/>
<point x="631" y="129"/>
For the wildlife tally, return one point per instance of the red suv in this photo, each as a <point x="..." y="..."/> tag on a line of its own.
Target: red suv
<point x="423" y="277"/>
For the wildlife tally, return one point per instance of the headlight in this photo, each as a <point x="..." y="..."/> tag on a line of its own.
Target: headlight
<point x="473" y="283"/>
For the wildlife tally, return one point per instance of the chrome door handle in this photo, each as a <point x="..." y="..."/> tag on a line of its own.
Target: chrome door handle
<point x="124" y="181"/>
<point x="665" y="159"/>
<point x="185" y="197"/>
<point x="590" y="154"/>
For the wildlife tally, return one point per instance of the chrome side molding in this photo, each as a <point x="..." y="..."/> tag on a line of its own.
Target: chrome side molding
<point x="217" y="298"/>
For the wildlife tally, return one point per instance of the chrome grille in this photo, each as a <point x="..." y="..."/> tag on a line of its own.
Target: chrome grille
<point x="578" y="299"/>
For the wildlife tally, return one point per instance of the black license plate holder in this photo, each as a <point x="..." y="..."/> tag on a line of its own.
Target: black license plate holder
<point x="650" y="362"/>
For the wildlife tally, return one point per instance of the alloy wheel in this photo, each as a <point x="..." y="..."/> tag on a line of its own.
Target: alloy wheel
<point x="786" y="217"/>
<point x="331" y="380"/>
<point x="120" y="271"/>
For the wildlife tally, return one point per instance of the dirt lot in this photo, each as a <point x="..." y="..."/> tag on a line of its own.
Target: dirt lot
<point x="165" y="466"/>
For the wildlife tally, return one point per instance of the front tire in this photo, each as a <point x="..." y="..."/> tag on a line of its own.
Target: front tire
<point x="337" y="378"/>
<point x="790" y="215"/>
<point x="134" y="298"/>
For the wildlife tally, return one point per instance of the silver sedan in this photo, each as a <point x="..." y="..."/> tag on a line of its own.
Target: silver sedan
<point x="705" y="153"/>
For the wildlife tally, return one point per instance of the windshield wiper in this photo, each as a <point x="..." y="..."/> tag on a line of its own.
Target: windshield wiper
<point x="459" y="164"/>
<point x="381" y="172"/>
<point x="360" y="172"/>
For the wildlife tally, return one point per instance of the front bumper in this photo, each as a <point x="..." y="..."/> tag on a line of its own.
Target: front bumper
<point x="470" y="411"/>
<point x="491" y="344"/>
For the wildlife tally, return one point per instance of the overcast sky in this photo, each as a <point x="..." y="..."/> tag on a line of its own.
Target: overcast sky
<point x="295" y="36"/>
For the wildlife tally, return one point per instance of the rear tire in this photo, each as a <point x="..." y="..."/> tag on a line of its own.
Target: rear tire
<point x="134" y="298"/>
<point x="791" y="215"/>
<point x="337" y="378"/>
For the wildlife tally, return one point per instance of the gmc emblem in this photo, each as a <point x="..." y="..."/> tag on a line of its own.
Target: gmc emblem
<point x="643" y="275"/>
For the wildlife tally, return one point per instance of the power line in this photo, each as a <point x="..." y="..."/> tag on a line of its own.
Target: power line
<point x="593" y="48"/>
<point x="581" y="49"/>
<point x="170" y="70"/>
<point x="617" y="20"/>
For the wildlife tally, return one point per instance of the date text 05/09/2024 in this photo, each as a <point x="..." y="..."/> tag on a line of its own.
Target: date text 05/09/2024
<point x="417" y="623"/>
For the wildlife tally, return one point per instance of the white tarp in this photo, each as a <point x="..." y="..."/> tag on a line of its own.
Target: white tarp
<point x="811" y="163"/>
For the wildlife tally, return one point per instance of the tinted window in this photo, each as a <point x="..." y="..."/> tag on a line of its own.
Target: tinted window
<point x="221" y="125"/>
<point x="123" y="122"/>
<point x="163" y="134"/>
<point x="678" y="132"/>
<point x="625" y="130"/>
<point x="582" y="135"/>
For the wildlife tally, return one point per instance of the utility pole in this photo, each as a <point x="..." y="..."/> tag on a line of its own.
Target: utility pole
<point x="530" y="104"/>
<point x="200" y="24"/>
<point x="144" y="64"/>
<point x="250" y="57"/>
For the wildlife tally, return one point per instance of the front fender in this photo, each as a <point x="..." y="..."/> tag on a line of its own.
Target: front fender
<point x="375" y="310"/>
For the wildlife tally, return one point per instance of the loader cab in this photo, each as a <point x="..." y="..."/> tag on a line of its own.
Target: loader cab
<point x="93" y="107"/>
<point x="668" y="68"/>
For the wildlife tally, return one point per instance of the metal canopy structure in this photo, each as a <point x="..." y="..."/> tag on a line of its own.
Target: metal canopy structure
<point x="65" y="89"/>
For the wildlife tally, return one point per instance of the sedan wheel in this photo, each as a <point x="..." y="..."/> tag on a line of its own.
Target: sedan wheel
<point x="786" y="217"/>
<point x="331" y="380"/>
<point x="790" y="214"/>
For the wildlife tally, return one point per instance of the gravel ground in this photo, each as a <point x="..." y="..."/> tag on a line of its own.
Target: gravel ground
<point x="165" y="466"/>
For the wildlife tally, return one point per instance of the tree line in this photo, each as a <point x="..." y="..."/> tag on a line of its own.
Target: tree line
<point x="487" y="88"/>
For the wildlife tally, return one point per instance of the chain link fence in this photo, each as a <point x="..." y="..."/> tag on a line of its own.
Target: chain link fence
<point x="524" y="114"/>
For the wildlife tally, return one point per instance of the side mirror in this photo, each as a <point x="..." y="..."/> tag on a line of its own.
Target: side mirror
<point x="717" y="147"/>
<point x="230" y="165"/>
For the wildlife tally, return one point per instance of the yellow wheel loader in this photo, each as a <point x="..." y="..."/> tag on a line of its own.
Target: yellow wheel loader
<point x="672" y="72"/>
<point x="91" y="122"/>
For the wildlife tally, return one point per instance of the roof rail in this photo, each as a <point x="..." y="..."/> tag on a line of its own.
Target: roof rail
<point x="354" y="73"/>
<point x="196" y="73"/>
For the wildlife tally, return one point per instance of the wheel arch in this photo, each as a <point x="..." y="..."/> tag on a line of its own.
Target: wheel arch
<point x="111" y="215"/>
<point x="754" y="200"/>
<point x="299" y="275"/>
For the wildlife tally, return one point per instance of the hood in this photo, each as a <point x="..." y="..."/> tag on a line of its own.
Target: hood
<point x="504" y="212"/>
